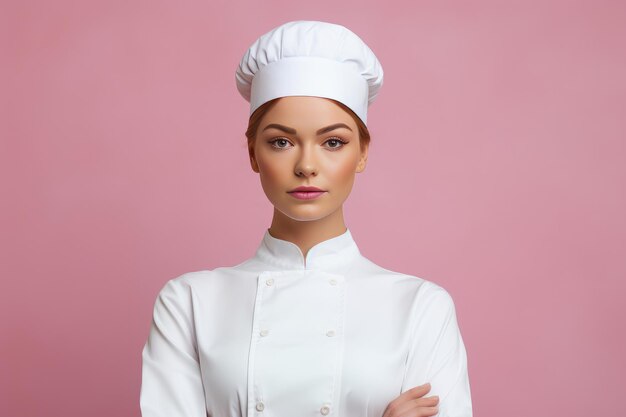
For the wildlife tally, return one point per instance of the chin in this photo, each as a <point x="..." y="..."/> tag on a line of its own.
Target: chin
<point x="305" y="214"/>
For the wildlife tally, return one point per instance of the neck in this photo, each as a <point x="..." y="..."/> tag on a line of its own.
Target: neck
<point x="306" y="234"/>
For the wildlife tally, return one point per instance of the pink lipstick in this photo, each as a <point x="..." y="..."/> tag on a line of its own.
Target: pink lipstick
<point x="306" y="192"/>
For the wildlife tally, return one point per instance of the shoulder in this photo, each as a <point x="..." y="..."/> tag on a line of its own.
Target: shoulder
<point x="424" y="294"/>
<point x="185" y="282"/>
<point x="425" y="291"/>
<point x="433" y="310"/>
<point x="435" y="293"/>
<point x="427" y="297"/>
<point x="436" y="299"/>
<point x="180" y="289"/>
<point x="421" y="287"/>
<point x="367" y="267"/>
<point x="177" y="301"/>
<point x="188" y="285"/>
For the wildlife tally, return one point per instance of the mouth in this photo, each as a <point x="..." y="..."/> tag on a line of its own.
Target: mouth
<point x="306" y="188"/>
<point x="306" y="195"/>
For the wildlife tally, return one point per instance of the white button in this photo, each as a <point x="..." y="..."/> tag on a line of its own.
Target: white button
<point x="269" y="282"/>
<point x="330" y="333"/>
<point x="260" y="406"/>
<point x="325" y="410"/>
<point x="264" y="332"/>
<point x="333" y="282"/>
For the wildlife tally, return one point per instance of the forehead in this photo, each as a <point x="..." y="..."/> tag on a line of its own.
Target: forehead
<point x="307" y="112"/>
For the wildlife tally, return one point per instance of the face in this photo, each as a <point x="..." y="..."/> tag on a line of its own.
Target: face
<point x="307" y="141"/>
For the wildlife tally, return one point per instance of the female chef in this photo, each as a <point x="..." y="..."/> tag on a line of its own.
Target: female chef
<point x="307" y="326"/>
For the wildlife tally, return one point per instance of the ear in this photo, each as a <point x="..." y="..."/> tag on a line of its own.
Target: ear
<point x="362" y="159"/>
<point x="253" y="163"/>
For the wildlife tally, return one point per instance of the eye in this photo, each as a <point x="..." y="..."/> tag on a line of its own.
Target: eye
<point x="338" y="141"/>
<point x="276" y="141"/>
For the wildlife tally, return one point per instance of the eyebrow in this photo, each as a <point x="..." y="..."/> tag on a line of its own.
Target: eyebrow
<point x="319" y="132"/>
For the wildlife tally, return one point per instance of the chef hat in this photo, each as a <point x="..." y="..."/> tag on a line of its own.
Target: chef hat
<point x="310" y="58"/>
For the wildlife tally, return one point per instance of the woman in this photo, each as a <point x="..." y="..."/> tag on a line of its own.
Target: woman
<point x="307" y="326"/>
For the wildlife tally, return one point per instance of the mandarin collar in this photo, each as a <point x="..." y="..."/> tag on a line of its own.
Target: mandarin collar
<point x="329" y="255"/>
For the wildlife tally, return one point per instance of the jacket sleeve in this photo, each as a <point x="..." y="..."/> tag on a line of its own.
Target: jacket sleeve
<point x="171" y="382"/>
<point x="437" y="354"/>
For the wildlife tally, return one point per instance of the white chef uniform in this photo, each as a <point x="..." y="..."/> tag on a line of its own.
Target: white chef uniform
<point x="279" y="335"/>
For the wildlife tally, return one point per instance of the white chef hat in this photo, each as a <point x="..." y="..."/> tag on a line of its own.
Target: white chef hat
<point x="310" y="58"/>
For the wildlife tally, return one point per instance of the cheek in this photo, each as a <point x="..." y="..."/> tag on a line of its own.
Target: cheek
<point x="272" y="172"/>
<point x="342" y="173"/>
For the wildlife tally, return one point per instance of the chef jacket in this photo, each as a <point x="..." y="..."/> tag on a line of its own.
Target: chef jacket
<point x="283" y="336"/>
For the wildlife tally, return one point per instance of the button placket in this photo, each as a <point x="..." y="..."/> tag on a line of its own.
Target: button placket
<point x="264" y="331"/>
<point x="255" y="393"/>
<point x="337" y="281"/>
<point x="305" y="300"/>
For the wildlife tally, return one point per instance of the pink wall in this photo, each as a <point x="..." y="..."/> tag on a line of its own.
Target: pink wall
<point x="497" y="170"/>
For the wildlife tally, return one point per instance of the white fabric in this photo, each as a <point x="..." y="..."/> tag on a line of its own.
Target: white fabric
<point x="310" y="58"/>
<point x="281" y="336"/>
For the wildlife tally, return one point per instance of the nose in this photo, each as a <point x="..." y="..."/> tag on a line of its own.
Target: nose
<point x="306" y="164"/>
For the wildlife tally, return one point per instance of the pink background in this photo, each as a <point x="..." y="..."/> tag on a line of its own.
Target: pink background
<point x="497" y="170"/>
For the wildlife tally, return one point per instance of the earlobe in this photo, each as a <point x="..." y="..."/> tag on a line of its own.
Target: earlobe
<point x="362" y="161"/>
<point x="361" y="166"/>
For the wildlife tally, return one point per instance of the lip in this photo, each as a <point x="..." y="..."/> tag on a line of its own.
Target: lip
<point x="306" y="192"/>
<point x="306" y="195"/>
<point x="305" y="188"/>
